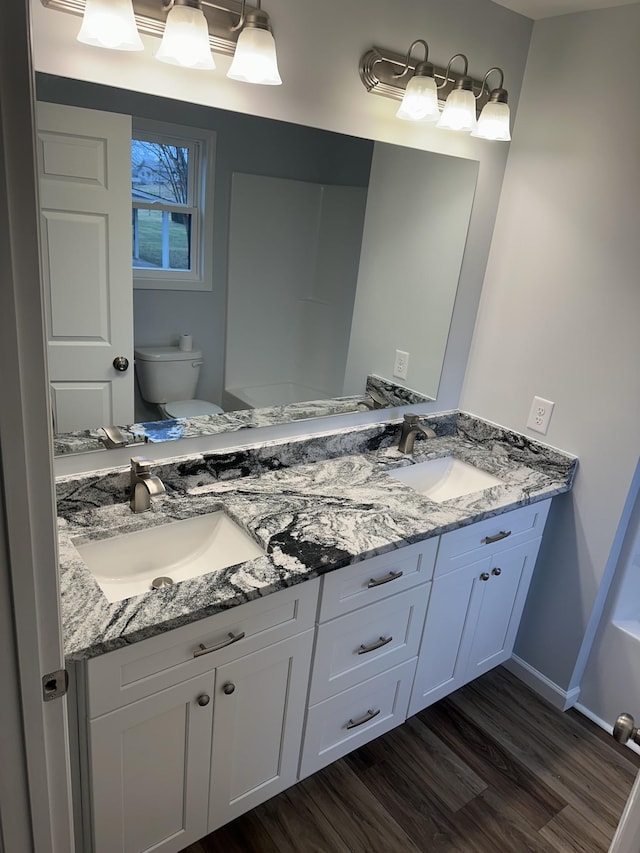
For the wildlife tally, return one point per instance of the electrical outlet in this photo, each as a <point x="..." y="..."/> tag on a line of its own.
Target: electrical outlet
<point x="401" y="364"/>
<point x="540" y="415"/>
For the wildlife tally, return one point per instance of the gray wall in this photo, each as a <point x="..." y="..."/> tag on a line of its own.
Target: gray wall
<point x="560" y="308"/>
<point x="415" y="232"/>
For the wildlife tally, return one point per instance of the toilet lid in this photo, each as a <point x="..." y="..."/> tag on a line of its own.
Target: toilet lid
<point x="191" y="408"/>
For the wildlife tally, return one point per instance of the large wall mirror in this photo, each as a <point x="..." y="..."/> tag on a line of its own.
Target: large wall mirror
<point x="324" y="256"/>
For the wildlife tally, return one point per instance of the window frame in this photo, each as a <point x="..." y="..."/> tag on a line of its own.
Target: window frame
<point x="201" y="145"/>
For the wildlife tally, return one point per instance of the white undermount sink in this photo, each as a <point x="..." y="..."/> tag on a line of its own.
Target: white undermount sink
<point x="129" y="565"/>
<point x="445" y="478"/>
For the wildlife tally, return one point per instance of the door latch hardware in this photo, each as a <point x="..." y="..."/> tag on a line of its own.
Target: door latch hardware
<point x="55" y="684"/>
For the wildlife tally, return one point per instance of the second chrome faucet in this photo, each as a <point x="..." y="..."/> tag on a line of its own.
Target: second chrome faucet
<point x="144" y="484"/>
<point x="410" y="428"/>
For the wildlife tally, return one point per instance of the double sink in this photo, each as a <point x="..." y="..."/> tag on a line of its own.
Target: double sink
<point x="134" y="563"/>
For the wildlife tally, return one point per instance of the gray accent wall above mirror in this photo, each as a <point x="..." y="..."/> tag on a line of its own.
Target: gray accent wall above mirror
<point x="405" y="276"/>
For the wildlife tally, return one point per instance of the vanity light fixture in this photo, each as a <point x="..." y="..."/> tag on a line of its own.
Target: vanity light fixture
<point x="396" y="76"/>
<point x="494" y="118"/>
<point x="459" y="111"/>
<point x="110" y="24"/>
<point x="185" y="40"/>
<point x="255" y="59"/>
<point x="231" y="27"/>
<point x="420" y="101"/>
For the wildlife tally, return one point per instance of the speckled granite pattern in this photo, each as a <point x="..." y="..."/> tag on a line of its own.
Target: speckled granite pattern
<point x="311" y="517"/>
<point x="394" y="394"/>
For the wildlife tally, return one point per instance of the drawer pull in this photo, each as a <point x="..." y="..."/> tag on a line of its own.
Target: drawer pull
<point x="392" y="576"/>
<point x="496" y="571"/>
<point x="205" y="650"/>
<point x="489" y="540"/>
<point x="363" y="650"/>
<point x="353" y="724"/>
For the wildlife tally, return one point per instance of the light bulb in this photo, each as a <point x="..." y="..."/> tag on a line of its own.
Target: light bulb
<point x="186" y="39"/>
<point x="459" y="111"/>
<point x="420" y="101"/>
<point x="255" y="59"/>
<point x="110" y="24"/>
<point x="494" y="122"/>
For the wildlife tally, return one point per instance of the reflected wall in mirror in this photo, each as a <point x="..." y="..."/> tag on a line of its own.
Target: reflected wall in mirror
<point x="328" y="254"/>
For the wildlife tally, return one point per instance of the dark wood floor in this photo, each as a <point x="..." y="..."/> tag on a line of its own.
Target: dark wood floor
<point x="491" y="769"/>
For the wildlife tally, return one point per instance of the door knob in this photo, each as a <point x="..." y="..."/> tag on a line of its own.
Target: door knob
<point x="121" y="363"/>
<point x="228" y="688"/>
<point x="485" y="576"/>
<point x="625" y="729"/>
<point x="497" y="572"/>
<point x="203" y="700"/>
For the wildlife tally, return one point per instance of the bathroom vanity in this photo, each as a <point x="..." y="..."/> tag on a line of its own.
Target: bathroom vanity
<point x="372" y="600"/>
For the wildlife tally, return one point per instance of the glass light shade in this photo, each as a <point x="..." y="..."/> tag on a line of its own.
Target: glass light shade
<point x="186" y="39"/>
<point x="110" y="24"/>
<point x="255" y="58"/>
<point x="494" y="122"/>
<point x="420" y="101"/>
<point x="459" y="111"/>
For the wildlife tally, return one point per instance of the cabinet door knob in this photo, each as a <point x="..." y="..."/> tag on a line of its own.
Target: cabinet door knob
<point x="496" y="571"/>
<point x="228" y="688"/>
<point x="485" y="576"/>
<point x="203" y="700"/>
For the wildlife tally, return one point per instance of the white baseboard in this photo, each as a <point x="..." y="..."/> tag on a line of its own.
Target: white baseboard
<point x="604" y="725"/>
<point x="542" y="685"/>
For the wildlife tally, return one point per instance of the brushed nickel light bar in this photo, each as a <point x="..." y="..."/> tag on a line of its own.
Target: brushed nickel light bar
<point x="150" y="16"/>
<point x="461" y="97"/>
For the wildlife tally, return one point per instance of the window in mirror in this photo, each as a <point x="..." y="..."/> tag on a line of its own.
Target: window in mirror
<point x="171" y="198"/>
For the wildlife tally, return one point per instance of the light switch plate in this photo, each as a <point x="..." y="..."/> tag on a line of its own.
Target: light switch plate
<point x="540" y="415"/>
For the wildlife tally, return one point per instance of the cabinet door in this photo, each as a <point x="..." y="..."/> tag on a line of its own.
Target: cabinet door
<point x="150" y="771"/>
<point x="503" y="599"/>
<point x="451" y="617"/>
<point x="257" y="729"/>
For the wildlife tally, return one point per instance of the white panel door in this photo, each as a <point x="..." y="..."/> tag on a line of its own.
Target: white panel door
<point x="257" y="727"/>
<point x="150" y="771"/>
<point x="84" y="166"/>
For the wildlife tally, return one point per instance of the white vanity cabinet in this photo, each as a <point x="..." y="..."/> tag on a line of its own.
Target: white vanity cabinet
<point x="480" y="585"/>
<point x="181" y="739"/>
<point x="371" y="619"/>
<point x="185" y="731"/>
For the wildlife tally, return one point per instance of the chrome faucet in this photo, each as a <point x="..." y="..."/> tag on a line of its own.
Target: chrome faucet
<point x="144" y="484"/>
<point x="372" y="400"/>
<point x="410" y="428"/>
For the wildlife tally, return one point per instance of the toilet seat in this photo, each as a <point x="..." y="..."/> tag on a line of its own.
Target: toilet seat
<point x="191" y="408"/>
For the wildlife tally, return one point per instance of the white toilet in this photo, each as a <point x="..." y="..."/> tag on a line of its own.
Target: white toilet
<point x="168" y="377"/>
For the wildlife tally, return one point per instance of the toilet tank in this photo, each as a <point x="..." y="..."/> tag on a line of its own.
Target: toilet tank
<point x="167" y="374"/>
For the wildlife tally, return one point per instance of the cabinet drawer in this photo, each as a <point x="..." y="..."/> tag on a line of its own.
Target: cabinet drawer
<point x="352" y="718"/>
<point x="359" y="645"/>
<point x="468" y="544"/>
<point x="372" y="580"/>
<point x="130" y="673"/>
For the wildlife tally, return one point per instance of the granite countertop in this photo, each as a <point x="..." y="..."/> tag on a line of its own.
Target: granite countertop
<point x="310" y="517"/>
